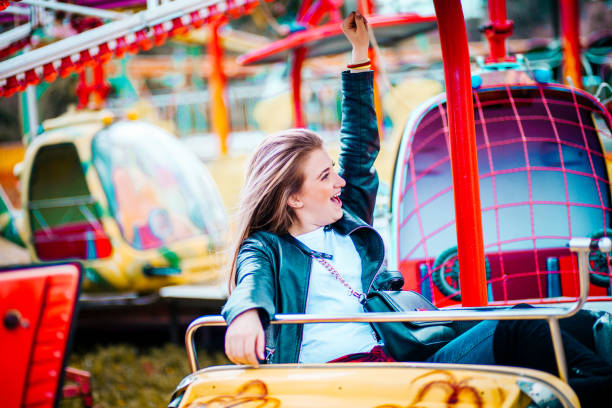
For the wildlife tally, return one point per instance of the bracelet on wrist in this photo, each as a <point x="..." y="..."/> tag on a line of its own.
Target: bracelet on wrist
<point x="361" y="64"/>
<point x="364" y="68"/>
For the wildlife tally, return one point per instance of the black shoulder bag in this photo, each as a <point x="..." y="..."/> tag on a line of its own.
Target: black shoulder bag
<point x="408" y="341"/>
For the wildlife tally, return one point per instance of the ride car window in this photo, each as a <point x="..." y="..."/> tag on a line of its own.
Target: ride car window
<point x="157" y="190"/>
<point x="62" y="213"/>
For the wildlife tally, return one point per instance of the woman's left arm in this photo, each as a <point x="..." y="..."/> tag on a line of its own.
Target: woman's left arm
<point x="359" y="130"/>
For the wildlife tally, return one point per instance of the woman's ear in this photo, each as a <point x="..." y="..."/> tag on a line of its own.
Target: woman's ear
<point x="294" y="201"/>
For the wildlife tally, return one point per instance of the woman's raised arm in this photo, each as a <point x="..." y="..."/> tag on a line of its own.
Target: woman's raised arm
<point x="359" y="129"/>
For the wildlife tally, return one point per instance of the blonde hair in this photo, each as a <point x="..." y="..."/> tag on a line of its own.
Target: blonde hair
<point x="274" y="173"/>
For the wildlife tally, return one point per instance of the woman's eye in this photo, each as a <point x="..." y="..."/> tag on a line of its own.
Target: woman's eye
<point x="325" y="177"/>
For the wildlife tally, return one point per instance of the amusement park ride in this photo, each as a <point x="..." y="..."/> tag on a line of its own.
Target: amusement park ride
<point x="523" y="160"/>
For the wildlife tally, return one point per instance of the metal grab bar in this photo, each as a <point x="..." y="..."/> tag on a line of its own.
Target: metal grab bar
<point x="581" y="246"/>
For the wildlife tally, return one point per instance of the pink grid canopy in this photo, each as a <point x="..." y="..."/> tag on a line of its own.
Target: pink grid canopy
<point x="543" y="180"/>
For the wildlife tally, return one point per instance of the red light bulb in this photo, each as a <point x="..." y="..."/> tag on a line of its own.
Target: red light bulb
<point x="197" y="21"/>
<point x="177" y="27"/>
<point x="120" y="47"/>
<point x="31" y="78"/>
<point x="66" y="67"/>
<point x="143" y="40"/>
<point x="11" y="86"/>
<point x="104" y="53"/>
<point x="49" y="72"/>
<point x="85" y="59"/>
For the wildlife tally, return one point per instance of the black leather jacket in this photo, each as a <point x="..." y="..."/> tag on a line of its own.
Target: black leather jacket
<point x="273" y="272"/>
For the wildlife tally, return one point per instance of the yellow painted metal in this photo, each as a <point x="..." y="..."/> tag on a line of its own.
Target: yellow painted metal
<point x="367" y="385"/>
<point x="10" y="155"/>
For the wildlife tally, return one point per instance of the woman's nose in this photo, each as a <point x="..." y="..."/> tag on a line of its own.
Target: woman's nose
<point x="340" y="181"/>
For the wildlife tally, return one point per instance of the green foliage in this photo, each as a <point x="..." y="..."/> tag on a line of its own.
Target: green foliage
<point x="124" y="376"/>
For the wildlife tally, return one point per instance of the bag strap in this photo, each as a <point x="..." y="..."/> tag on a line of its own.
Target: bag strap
<point x="322" y="258"/>
<point x="361" y="298"/>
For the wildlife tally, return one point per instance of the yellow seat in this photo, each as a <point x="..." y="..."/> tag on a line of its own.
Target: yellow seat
<point x="369" y="385"/>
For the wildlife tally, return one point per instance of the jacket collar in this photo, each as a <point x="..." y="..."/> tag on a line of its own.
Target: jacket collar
<point x="345" y="225"/>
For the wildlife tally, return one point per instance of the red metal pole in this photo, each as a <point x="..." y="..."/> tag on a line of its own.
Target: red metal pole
<point x="100" y="86"/>
<point x="498" y="29"/>
<point x="366" y="7"/>
<point x="83" y="90"/>
<point x="296" y="86"/>
<point x="312" y="13"/>
<point x="570" y="29"/>
<point x="457" y="76"/>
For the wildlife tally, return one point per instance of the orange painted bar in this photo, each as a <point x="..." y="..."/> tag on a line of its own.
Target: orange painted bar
<point x="570" y="29"/>
<point x="219" y="114"/>
<point x="457" y="76"/>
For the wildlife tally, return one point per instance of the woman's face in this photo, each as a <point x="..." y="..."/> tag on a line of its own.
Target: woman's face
<point x="317" y="203"/>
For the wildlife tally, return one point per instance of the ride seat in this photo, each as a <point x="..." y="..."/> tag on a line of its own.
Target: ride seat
<point x="37" y="308"/>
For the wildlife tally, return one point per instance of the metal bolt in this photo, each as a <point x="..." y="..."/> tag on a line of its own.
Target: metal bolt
<point x="13" y="319"/>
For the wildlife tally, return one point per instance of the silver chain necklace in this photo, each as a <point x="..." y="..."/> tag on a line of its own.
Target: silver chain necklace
<point x="361" y="297"/>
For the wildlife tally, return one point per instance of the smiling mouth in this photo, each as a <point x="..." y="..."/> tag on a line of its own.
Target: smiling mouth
<point x="336" y="200"/>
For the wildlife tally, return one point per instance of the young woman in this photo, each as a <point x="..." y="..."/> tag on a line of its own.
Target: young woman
<point x="306" y="245"/>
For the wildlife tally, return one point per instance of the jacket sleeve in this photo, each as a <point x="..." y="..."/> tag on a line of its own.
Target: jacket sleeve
<point x="255" y="286"/>
<point x="359" y="144"/>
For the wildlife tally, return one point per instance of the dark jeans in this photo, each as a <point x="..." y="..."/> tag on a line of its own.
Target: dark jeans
<point x="527" y="343"/>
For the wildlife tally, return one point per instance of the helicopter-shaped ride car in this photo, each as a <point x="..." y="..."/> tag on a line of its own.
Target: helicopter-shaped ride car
<point x="126" y="199"/>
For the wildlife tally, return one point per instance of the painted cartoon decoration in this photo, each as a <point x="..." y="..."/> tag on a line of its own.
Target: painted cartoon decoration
<point x="252" y="393"/>
<point x="442" y="388"/>
<point x="124" y="197"/>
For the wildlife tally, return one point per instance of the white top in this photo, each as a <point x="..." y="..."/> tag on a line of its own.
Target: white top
<point x="322" y="342"/>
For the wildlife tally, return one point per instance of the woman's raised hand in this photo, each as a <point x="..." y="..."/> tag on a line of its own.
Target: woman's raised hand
<point x="355" y="27"/>
<point x="244" y="339"/>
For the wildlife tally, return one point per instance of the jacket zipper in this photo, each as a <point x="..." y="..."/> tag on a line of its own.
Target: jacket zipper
<point x="378" y="268"/>
<point x="301" y="331"/>
<point x="380" y="263"/>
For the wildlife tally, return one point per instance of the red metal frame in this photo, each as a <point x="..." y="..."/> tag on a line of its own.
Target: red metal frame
<point x="306" y="37"/>
<point x="297" y="61"/>
<point x="570" y="29"/>
<point x="453" y="40"/>
<point x="498" y="29"/>
<point x="310" y="14"/>
<point x="299" y="42"/>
